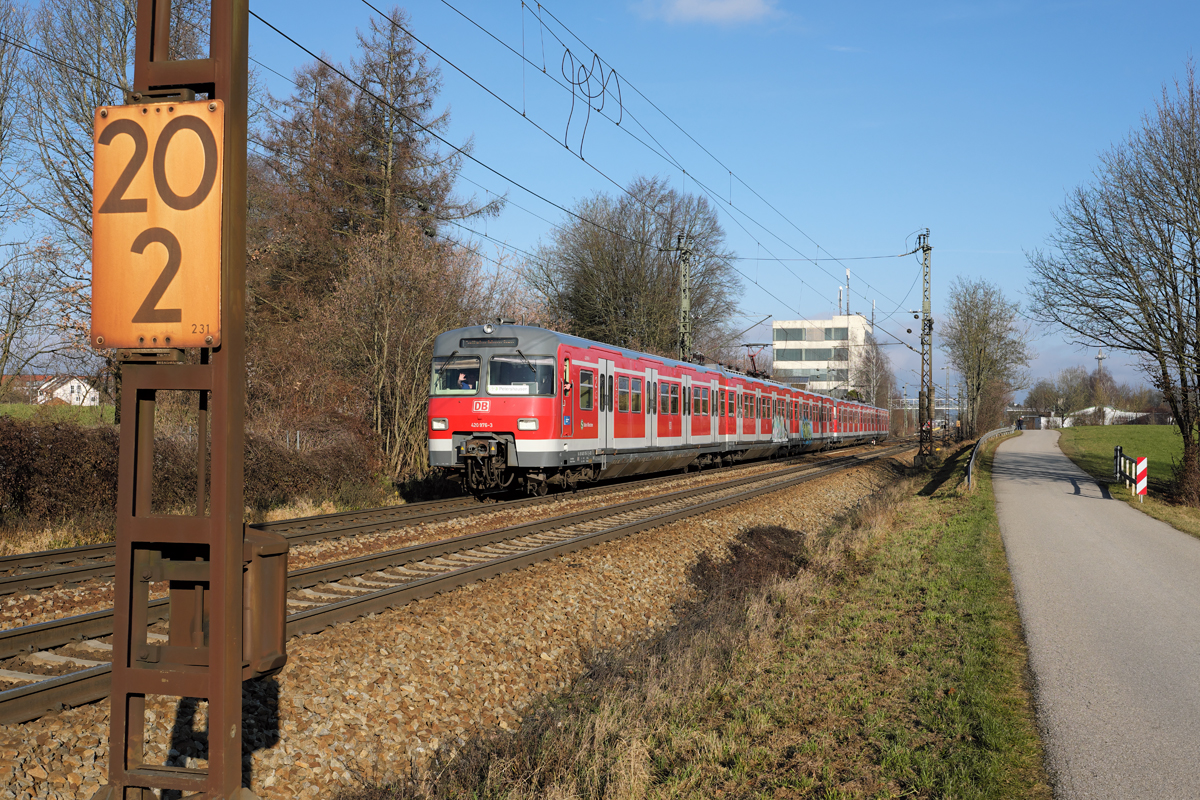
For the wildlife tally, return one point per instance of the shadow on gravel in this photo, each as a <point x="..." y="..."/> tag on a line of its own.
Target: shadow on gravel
<point x="260" y="729"/>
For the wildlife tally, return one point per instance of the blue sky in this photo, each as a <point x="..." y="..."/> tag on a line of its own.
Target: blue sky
<point x="861" y="123"/>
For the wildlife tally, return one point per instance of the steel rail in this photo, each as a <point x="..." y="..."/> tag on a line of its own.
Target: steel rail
<point x="77" y="688"/>
<point x="299" y="530"/>
<point x="57" y="633"/>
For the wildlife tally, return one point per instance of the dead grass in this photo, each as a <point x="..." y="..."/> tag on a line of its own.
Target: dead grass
<point x="882" y="658"/>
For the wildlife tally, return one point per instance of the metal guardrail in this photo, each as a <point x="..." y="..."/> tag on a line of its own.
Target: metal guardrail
<point x="975" y="451"/>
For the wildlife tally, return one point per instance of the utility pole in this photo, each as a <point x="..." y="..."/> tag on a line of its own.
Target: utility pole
<point x="847" y="291"/>
<point x="684" y="245"/>
<point x="925" y="448"/>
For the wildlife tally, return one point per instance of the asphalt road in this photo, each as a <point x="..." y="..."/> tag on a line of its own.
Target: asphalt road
<point x="1110" y="602"/>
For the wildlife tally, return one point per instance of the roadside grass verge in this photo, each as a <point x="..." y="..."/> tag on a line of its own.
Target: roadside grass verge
<point x="1091" y="448"/>
<point x="881" y="658"/>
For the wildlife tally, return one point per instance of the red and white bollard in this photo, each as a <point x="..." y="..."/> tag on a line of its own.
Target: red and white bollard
<point x="1142" y="468"/>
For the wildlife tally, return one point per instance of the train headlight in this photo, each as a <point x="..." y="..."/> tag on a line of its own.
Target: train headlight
<point x="527" y="424"/>
<point x="439" y="424"/>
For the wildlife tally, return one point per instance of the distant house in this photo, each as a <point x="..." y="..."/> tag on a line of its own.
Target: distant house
<point x="23" y="388"/>
<point x="69" y="389"/>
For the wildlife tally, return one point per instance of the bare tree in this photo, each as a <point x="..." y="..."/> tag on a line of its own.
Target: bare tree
<point x="871" y="372"/>
<point x="986" y="342"/>
<point x="399" y="294"/>
<point x="613" y="275"/>
<point x="1123" y="268"/>
<point x="1042" y="397"/>
<point x="28" y="328"/>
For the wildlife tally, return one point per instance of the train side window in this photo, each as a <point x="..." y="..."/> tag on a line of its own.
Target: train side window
<point x="704" y="401"/>
<point x="733" y="409"/>
<point x="635" y="396"/>
<point x="651" y="402"/>
<point x="664" y="397"/>
<point x="586" y="391"/>
<point x="674" y="398"/>
<point x="721" y="402"/>
<point x="623" y="394"/>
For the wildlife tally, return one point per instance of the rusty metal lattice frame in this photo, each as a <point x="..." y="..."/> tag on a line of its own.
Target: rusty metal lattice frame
<point x="201" y="555"/>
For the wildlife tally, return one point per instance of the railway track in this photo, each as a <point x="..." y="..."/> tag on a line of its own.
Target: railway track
<point x="328" y="594"/>
<point x="32" y="571"/>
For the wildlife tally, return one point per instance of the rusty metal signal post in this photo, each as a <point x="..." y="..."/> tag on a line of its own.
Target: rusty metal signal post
<point x="169" y="273"/>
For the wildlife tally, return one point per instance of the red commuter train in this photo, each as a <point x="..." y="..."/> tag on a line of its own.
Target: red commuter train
<point x="512" y="406"/>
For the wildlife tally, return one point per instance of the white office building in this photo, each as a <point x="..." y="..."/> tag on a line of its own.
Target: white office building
<point x="818" y="353"/>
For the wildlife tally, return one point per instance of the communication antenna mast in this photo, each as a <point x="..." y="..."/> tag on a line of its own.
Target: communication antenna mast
<point x="1100" y="360"/>
<point x="925" y="448"/>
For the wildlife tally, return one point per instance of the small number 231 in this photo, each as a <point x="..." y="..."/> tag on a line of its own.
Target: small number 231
<point x="201" y="328"/>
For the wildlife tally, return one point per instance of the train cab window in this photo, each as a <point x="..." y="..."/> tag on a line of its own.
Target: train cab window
<point x="623" y="394"/>
<point x="587" y="396"/>
<point x="521" y="374"/>
<point x="457" y="375"/>
<point x="674" y="398"/>
<point x="635" y="396"/>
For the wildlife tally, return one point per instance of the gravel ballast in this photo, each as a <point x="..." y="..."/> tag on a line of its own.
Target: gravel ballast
<point x="364" y="698"/>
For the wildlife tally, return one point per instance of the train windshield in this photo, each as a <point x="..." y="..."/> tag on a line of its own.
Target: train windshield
<point x="455" y="375"/>
<point x="521" y="374"/>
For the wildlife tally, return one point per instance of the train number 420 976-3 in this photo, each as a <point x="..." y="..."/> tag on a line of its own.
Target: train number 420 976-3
<point x="156" y="225"/>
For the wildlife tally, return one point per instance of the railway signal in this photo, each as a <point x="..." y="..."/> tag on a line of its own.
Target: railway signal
<point x="168" y="275"/>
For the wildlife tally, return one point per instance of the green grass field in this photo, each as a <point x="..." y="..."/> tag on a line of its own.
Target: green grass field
<point x="1091" y="447"/>
<point x="48" y="415"/>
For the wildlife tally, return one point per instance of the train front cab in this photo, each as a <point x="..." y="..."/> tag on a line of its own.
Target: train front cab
<point x="490" y="388"/>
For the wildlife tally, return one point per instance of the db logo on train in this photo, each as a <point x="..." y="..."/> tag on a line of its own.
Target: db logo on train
<point x="481" y="406"/>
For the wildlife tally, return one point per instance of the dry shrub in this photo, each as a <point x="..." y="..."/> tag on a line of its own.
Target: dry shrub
<point x="602" y="738"/>
<point x="64" y="477"/>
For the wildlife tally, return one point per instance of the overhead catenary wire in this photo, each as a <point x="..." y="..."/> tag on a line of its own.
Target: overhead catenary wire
<point x="664" y="153"/>
<point x="708" y="152"/>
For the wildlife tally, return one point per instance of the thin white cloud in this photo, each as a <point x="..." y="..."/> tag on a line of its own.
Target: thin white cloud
<point x="720" y="11"/>
<point x="837" y="48"/>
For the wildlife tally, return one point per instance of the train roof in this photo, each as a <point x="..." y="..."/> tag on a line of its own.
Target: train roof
<point x="540" y="341"/>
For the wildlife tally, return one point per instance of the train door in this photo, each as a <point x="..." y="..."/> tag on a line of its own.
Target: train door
<point x="569" y="394"/>
<point x="651" y="406"/>
<point x="778" y="420"/>
<point x="608" y="402"/>
<point x="685" y="408"/>
<point x="587" y="406"/>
